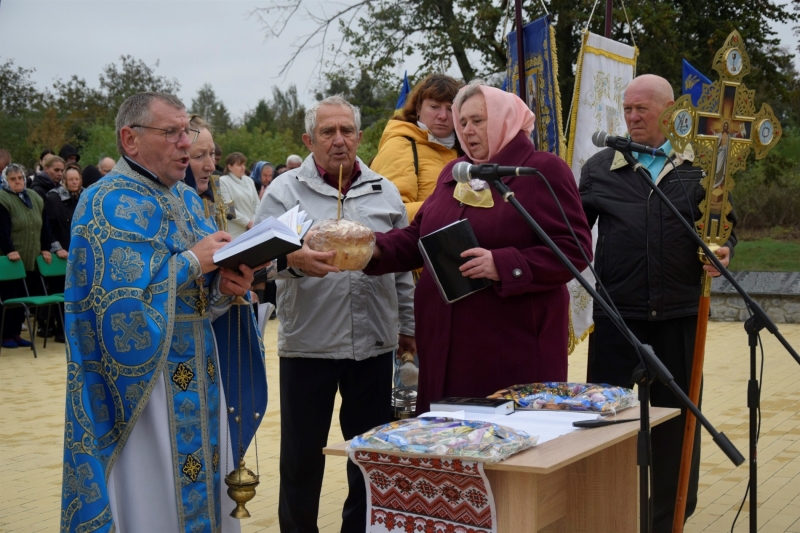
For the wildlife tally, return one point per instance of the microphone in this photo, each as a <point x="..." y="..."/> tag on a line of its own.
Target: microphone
<point x="602" y="139"/>
<point x="464" y="172"/>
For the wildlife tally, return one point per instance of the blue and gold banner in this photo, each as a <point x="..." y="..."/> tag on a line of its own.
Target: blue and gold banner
<point x="693" y="82"/>
<point x="541" y="79"/>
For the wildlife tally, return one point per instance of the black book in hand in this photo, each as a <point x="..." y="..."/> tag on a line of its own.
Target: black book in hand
<point x="442" y="253"/>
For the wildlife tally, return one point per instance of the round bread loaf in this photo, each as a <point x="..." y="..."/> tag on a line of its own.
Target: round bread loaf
<point x="352" y="241"/>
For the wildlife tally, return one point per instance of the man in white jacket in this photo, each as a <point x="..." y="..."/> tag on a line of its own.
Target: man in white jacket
<point x="338" y="330"/>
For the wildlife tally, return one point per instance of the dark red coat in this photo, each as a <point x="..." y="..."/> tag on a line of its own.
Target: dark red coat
<point x="516" y="331"/>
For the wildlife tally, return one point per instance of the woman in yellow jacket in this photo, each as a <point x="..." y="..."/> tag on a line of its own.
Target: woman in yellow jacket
<point x="419" y="141"/>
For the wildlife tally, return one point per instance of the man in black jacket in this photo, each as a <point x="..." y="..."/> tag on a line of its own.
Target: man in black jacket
<point x="648" y="264"/>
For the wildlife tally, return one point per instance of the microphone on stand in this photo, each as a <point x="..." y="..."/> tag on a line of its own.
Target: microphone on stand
<point x="464" y="172"/>
<point x="602" y="139"/>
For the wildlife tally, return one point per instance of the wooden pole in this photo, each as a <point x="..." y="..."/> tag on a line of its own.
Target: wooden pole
<point x="695" y="382"/>
<point x="609" y="10"/>
<point x="520" y="51"/>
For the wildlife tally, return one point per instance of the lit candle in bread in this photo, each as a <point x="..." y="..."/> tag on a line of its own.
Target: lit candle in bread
<point x="339" y="204"/>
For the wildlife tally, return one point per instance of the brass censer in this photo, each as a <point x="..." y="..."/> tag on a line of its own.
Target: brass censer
<point x="242" y="484"/>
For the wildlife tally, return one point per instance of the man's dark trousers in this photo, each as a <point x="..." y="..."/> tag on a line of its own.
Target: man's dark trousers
<point x="612" y="360"/>
<point x="308" y="390"/>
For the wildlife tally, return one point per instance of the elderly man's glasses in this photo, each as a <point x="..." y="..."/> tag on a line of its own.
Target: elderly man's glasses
<point x="173" y="135"/>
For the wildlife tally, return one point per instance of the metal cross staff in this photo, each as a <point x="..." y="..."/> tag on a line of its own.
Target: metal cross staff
<point x="721" y="130"/>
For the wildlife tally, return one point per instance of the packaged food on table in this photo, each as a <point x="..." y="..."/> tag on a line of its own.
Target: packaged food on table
<point x="445" y="437"/>
<point x="600" y="398"/>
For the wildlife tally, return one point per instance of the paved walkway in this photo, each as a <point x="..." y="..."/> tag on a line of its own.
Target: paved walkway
<point x="32" y="418"/>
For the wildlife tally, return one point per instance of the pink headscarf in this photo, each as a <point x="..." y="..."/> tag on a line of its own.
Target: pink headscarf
<point x="507" y="116"/>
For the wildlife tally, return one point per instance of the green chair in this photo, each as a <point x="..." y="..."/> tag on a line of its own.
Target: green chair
<point x="57" y="267"/>
<point x="15" y="270"/>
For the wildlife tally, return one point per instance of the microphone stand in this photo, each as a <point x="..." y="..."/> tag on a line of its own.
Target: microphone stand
<point x="758" y="321"/>
<point x="651" y="364"/>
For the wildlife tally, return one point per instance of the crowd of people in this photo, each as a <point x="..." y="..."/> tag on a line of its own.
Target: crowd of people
<point x="140" y="234"/>
<point x="59" y="180"/>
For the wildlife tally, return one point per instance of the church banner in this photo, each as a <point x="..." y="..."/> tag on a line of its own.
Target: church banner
<point x="605" y="67"/>
<point x="541" y="79"/>
<point x="693" y="82"/>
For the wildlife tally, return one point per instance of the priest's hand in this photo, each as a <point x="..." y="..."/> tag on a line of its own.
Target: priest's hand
<point x="481" y="266"/>
<point x="724" y="255"/>
<point x="62" y="254"/>
<point x="204" y="250"/>
<point x="236" y="283"/>
<point x="47" y="257"/>
<point x="311" y="262"/>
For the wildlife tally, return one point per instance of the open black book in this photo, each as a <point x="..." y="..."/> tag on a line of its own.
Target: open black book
<point x="264" y="242"/>
<point x="442" y="253"/>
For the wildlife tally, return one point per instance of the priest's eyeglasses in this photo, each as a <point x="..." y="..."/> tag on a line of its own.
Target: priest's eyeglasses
<point x="173" y="135"/>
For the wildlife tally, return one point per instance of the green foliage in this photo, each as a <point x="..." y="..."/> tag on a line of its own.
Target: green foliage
<point x="14" y="138"/>
<point x="101" y="142"/>
<point x="259" y="146"/>
<point x="767" y="192"/>
<point x="375" y="98"/>
<point x="18" y="93"/>
<point x="378" y="36"/>
<point x="208" y="106"/>
<point x="371" y="139"/>
<point x="668" y="31"/>
<point x="284" y="113"/>
<point x="133" y="76"/>
<point x="75" y="113"/>
<point x="766" y="255"/>
<point x="439" y="30"/>
<point x="261" y="117"/>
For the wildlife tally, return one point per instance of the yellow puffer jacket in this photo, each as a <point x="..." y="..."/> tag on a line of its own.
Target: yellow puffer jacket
<point x="395" y="161"/>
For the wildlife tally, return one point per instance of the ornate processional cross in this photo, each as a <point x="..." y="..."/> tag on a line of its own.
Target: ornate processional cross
<point x="721" y="130"/>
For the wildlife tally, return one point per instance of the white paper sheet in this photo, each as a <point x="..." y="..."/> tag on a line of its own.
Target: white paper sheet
<point x="547" y="425"/>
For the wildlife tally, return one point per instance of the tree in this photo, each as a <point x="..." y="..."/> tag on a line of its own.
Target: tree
<point x="374" y="98"/>
<point x="796" y="29"/>
<point x="18" y="93"/>
<point x="76" y="99"/>
<point x="284" y="113"/>
<point x="31" y="120"/>
<point x="212" y="109"/>
<point x="133" y="76"/>
<point x="259" y="118"/>
<point x="378" y="34"/>
<point x="49" y="131"/>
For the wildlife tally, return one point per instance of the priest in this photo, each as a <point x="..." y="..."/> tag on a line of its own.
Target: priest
<point x="148" y="436"/>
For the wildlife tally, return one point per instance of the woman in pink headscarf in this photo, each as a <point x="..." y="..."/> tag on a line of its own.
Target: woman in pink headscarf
<point x="516" y="330"/>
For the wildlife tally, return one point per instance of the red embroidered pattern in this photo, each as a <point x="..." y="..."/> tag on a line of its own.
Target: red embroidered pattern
<point x="421" y="495"/>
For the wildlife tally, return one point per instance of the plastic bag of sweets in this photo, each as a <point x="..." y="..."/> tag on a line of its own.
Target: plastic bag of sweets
<point x="443" y="437"/>
<point x="600" y="398"/>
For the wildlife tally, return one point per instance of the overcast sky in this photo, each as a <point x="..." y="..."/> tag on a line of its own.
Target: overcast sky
<point x="195" y="41"/>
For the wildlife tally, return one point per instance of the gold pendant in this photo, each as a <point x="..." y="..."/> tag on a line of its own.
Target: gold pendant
<point x="242" y="484"/>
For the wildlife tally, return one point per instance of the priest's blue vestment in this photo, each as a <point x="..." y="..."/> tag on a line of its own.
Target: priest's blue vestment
<point x="143" y="323"/>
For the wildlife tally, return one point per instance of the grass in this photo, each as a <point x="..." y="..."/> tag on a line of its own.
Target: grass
<point x="767" y="255"/>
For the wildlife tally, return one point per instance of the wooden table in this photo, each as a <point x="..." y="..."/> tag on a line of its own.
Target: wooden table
<point x="586" y="480"/>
